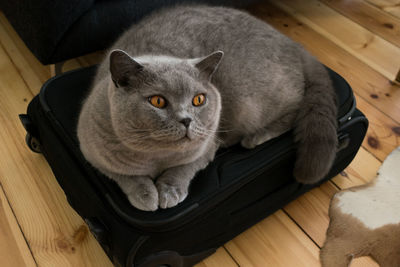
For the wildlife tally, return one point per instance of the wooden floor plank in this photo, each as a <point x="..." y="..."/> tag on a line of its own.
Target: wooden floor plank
<point x="91" y="59"/>
<point x="218" y="259"/>
<point x="390" y="6"/>
<point x="383" y="132"/>
<point x="32" y="71"/>
<point x="362" y="170"/>
<point x="370" y="17"/>
<point x="361" y="43"/>
<point x="310" y="211"/>
<point x="275" y="241"/>
<point x="71" y="65"/>
<point x="14" y="250"/>
<point x="38" y="202"/>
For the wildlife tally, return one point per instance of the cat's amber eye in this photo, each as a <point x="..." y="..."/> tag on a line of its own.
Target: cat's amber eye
<point x="157" y="101"/>
<point x="199" y="100"/>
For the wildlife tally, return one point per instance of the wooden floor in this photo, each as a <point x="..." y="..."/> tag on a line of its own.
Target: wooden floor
<point x="359" y="39"/>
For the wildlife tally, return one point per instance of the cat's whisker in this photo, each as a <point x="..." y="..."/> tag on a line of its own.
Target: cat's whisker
<point x="212" y="135"/>
<point x="218" y="131"/>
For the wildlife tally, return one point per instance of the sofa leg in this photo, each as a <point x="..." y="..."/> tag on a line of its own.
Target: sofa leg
<point x="56" y="69"/>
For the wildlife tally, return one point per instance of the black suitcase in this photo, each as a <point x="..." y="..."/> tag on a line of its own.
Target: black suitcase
<point x="239" y="188"/>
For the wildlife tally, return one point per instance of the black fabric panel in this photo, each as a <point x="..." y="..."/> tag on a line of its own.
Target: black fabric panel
<point x="56" y="30"/>
<point x="42" y="24"/>
<point x="96" y="30"/>
<point x="107" y="20"/>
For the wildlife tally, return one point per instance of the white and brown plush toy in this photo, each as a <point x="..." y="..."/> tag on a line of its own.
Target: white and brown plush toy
<point x="365" y="220"/>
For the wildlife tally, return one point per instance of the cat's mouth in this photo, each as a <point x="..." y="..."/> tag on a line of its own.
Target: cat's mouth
<point x="188" y="135"/>
<point x="186" y="138"/>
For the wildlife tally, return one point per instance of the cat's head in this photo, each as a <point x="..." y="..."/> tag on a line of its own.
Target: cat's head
<point x="159" y="102"/>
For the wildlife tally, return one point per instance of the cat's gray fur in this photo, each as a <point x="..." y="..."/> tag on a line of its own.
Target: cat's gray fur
<point x="265" y="85"/>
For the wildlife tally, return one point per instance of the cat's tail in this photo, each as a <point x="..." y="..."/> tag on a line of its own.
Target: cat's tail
<point x="316" y="124"/>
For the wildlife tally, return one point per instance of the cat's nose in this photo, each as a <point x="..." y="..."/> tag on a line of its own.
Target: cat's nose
<point x="186" y="122"/>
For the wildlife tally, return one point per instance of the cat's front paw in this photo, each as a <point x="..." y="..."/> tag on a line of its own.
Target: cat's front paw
<point x="144" y="197"/>
<point x="170" y="195"/>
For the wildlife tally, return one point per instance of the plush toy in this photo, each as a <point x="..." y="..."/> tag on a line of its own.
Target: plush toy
<point x="365" y="220"/>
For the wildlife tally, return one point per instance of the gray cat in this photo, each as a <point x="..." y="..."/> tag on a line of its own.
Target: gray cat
<point x="167" y="97"/>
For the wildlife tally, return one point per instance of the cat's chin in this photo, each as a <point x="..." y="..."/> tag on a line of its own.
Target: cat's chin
<point x="189" y="141"/>
<point x="184" y="138"/>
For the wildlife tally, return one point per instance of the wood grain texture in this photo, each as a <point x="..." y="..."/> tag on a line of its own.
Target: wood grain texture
<point x="383" y="134"/>
<point x="91" y="59"/>
<point x="363" y="262"/>
<point x="71" y="65"/>
<point x="38" y="202"/>
<point x="310" y="211"/>
<point x="218" y="259"/>
<point x="14" y="250"/>
<point x="390" y="6"/>
<point x="361" y="43"/>
<point x="30" y="69"/>
<point x="362" y="170"/>
<point x="275" y="241"/>
<point x="370" y="17"/>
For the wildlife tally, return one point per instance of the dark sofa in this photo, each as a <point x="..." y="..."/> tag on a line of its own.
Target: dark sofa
<point x="56" y="30"/>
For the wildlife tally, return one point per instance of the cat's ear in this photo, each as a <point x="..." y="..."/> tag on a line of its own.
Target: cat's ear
<point x="209" y="64"/>
<point x="123" y="68"/>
